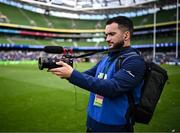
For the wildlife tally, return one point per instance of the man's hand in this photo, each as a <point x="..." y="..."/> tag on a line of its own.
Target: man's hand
<point x="64" y="71"/>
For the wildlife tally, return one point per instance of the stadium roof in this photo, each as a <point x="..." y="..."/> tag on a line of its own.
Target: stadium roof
<point x="93" y="9"/>
<point x="97" y="6"/>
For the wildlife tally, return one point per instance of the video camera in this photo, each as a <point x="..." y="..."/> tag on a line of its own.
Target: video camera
<point x="49" y="63"/>
<point x="67" y="57"/>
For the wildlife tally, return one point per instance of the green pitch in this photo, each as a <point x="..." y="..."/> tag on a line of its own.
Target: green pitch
<point x="34" y="100"/>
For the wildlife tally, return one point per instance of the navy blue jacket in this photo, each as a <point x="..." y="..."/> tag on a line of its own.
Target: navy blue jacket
<point x="108" y="102"/>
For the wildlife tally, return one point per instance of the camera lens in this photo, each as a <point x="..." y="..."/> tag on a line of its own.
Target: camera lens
<point x="49" y="63"/>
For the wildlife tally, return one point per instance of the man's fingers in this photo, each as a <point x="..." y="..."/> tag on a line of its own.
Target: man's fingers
<point x="64" y="71"/>
<point x="57" y="73"/>
<point x="61" y="63"/>
<point x="54" y="69"/>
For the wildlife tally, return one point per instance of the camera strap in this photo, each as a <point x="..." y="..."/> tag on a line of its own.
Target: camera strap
<point x="100" y="52"/>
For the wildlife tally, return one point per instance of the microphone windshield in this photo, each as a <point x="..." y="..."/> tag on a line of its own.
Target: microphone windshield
<point x="54" y="49"/>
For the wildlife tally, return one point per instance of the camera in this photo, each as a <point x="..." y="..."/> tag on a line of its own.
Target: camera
<point x="49" y="63"/>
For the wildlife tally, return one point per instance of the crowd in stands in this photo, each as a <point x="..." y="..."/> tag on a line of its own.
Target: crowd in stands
<point x="18" y="55"/>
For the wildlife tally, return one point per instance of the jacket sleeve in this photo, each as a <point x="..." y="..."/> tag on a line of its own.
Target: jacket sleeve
<point x="128" y="77"/>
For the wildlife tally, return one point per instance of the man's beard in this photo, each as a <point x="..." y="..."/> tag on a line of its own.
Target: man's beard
<point x="118" y="46"/>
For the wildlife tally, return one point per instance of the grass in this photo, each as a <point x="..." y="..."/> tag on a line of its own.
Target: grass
<point x="34" y="100"/>
<point x="167" y="114"/>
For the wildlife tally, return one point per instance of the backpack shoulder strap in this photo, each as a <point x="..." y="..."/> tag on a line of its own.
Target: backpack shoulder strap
<point x="121" y="59"/>
<point x="130" y="113"/>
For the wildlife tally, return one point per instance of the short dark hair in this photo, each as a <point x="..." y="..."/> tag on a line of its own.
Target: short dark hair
<point x="122" y="21"/>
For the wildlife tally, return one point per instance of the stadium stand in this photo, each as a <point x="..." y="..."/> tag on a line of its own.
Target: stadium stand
<point x="24" y="17"/>
<point x="30" y="28"/>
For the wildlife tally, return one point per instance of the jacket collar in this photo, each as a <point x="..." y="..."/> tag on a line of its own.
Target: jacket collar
<point x="121" y="51"/>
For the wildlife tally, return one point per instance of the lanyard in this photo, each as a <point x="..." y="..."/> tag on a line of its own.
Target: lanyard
<point x="106" y="68"/>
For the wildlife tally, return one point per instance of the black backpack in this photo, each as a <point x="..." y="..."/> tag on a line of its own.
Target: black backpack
<point x="154" y="80"/>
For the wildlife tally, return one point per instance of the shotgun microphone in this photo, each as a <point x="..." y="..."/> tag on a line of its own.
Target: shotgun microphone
<point x="54" y="49"/>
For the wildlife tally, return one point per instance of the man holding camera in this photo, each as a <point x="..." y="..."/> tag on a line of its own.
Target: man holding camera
<point x="109" y="109"/>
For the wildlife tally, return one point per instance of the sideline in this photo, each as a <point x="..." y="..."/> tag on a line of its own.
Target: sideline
<point x="18" y="62"/>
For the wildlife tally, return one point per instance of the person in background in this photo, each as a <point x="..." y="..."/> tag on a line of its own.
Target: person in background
<point x="109" y="109"/>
